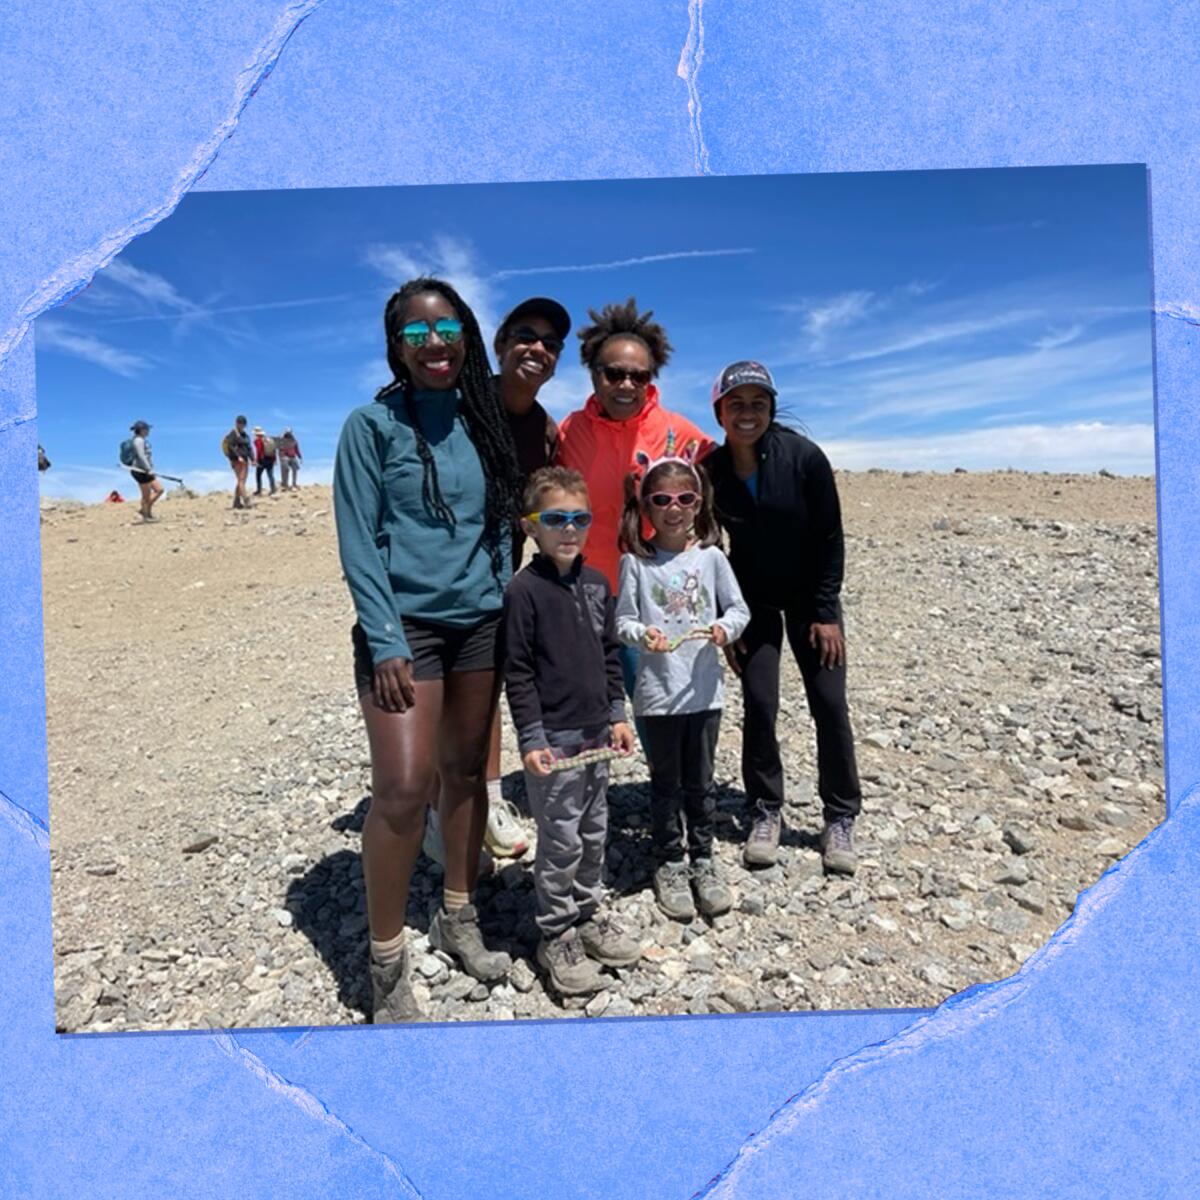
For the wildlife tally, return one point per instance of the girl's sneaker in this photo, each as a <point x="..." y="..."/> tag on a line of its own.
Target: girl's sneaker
<point x="432" y="848"/>
<point x="673" y="892"/>
<point x="571" y="972"/>
<point x="837" y="846"/>
<point x="605" y="941"/>
<point x="712" y="895"/>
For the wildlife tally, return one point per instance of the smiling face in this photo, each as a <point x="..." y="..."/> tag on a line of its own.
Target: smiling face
<point x="674" y="520"/>
<point x="746" y="414"/>
<point x="528" y="363"/>
<point x="623" y="397"/>
<point x="436" y="364"/>
<point x="564" y="544"/>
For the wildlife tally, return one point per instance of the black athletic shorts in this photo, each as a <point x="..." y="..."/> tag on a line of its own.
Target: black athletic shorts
<point x="143" y="476"/>
<point x="437" y="650"/>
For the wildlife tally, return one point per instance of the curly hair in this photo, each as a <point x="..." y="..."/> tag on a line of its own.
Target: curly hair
<point x="485" y="420"/>
<point x="624" y="320"/>
<point x="629" y="534"/>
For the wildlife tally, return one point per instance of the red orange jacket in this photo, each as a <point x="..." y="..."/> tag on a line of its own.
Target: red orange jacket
<point x="602" y="451"/>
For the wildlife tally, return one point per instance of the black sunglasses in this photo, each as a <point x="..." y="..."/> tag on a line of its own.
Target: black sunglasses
<point x="524" y="336"/>
<point x="620" y="374"/>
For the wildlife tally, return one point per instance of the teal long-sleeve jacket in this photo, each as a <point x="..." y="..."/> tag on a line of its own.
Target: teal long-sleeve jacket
<point x="398" y="558"/>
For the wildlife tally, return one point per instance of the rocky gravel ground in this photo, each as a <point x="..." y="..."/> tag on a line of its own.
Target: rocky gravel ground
<point x="209" y="771"/>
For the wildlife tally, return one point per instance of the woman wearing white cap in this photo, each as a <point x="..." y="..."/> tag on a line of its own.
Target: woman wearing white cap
<point x="776" y="498"/>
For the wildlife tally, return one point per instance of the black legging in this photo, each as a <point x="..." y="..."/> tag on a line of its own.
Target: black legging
<point x="762" y="771"/>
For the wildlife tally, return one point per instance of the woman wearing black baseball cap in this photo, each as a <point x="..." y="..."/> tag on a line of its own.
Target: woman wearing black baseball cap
<point x="776" y="498"/>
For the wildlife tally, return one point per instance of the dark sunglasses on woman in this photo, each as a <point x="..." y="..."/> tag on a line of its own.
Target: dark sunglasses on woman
<point x="620" y="374"/>
<point x="524" y="336"/>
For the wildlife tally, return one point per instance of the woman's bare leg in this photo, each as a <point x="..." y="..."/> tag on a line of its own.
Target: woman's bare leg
<point x="403" y="768"/>
<point x="468" y="706"/>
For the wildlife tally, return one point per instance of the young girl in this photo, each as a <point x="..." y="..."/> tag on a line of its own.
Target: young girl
<point x="680" y="603"/>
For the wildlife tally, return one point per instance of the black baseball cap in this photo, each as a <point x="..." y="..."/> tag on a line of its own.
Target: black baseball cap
<point x="140" y="425"/>
<point x="742" y="374"/>
<point x="539" y="306"/>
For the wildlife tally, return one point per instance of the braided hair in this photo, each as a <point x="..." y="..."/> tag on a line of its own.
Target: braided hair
<point x="624" y="320"/>
<point x="486" y="422"/>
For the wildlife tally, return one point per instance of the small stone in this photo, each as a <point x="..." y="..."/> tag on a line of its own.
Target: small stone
<point x="1113" y="814"/>
<point x="737" y="993"/>
<point x="201" y="843"/>
<point x="1030" y="900"/>
<point x="1077" y="821"/>
<point x="1016" y="872"/>
<point x="752" y="904"/>
<point x="102" y="869"/>
<point x="1018" y="840"/>
<point x="597" y="1004"/>
<point x="836" y="976"/>
<point x="478" y="992"/>
<point x="282" y="917"/>
<point x="955" y="921"/>
<point x="1112" y="848"/>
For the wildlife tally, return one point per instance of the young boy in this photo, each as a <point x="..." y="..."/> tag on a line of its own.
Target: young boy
<point x="565" y="691"/>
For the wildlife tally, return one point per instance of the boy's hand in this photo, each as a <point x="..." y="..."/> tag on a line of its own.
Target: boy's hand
<point x="719" y="636"/>
<point x="655" y="641"/>
<point x="537" y="762"/>
<point x="623" y="738"/>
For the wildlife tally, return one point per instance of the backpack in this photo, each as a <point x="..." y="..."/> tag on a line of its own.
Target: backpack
<point x="127" y="453"/>
<point x="268" y="450"/>
<point x="225" y="443"/>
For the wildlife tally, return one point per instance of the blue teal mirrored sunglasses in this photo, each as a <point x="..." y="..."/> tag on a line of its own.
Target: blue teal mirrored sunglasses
<point x="416" y="333"/>
<point x="559" y="518"/>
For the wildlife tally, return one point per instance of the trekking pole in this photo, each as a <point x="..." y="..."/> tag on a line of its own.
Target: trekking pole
<point x="172" y="478"/>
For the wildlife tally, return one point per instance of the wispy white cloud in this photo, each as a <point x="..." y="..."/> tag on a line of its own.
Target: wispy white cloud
<point x="933" y="334"/>
<point x="53" y="335"/>
<point x="836" y="313"/>
<point x="1058" y="337"/>
<point x="1126" y="449"/>
<point x="147" y="285"/>
<point x="614" y="264"/>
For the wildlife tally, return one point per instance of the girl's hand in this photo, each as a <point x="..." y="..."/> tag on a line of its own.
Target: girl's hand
<point x="537" y="762"/>
<point x="719" y="636"/>
<point x="623" y="738"/>
<point x="828" y="642"/>
<point x="393" y="686"/>
<point x="655" y="641"/>
<point x="732" y="651"/>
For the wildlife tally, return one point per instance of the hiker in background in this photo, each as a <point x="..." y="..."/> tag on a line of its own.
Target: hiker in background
<point x="236" y="447"/>
<point x="141" y="467"/>
<point x="264" y="460"/>
<point x="43" y="461"/>
<point x="777" y="499"/>
<point x="290" y="458"/>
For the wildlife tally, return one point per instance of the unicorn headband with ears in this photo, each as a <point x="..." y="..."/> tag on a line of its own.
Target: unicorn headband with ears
<point x="685" y="458"/>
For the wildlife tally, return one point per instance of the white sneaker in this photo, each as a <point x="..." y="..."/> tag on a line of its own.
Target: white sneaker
<point x="431" y="845"/>
<point x="503" y="834"/>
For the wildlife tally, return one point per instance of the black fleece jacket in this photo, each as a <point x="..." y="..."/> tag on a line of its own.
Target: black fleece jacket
<point x="561" y="668"/>
<point x="786" y="546"/>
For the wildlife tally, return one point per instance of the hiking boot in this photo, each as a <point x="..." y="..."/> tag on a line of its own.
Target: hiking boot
<point x="503" y="835"/>
<point x="457" y="933"/>
<point x="571" y="972"/>
<point x="393" y="1000"/>
<point x="837" y="846"/>
<point x="762" y="846"/>
<point x="713" y="897"/>
<point x="605" y="941"/>
<point x="672" y="891"/>
<point x="432" y="848"/>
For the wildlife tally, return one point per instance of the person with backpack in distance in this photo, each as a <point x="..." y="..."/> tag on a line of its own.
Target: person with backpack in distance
<point x="680" y="603"/>
<point x="777" y="500"/>
<point x="135" y="454"/>
<point x="290" y="459"/>
<point x="264" y="459"/>
<point x="237" y="447"/>
<point x="563" y="678"/>
<point x="43" y="461"/>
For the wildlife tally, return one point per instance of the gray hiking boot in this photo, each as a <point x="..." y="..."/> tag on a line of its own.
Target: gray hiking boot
<point x="457" y="933"/>
<point x="762" y="846"/>
<point x="393" y="1001"/>
<point x="605" y="941"/>
<point x="571" y="972"/>
<point x="713" y="897"/>
<point x="837" y="846"/>
<point x="673" y="892"/>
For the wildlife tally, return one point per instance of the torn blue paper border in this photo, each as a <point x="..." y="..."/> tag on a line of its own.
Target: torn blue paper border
<point x="1075" y="1077"/>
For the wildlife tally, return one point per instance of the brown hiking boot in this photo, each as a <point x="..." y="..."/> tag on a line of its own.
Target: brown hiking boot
<point x="713" y="897"/>
<point x="762" y="846"/>
<point x="837" y="846"/>
<point x="393" y="1000"/>
<point x="571" y="972"/>
<point x="457" y="933"/>
<point x="605" y="941"/>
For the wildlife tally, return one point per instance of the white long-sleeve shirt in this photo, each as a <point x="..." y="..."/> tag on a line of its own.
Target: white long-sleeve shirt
<point x="679" y="592"/>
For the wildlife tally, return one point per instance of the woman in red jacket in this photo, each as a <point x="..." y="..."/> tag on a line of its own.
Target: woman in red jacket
<point x="624" y="350"/>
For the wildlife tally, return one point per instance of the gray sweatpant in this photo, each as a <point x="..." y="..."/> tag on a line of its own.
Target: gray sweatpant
<point x="571" y="812"/>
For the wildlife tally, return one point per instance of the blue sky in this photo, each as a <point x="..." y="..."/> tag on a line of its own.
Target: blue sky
<point x="914" y="320"/>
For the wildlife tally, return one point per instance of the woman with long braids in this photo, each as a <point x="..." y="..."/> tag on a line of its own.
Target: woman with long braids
<point x="425" y="494"/>
<point x="624" y="350"/>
